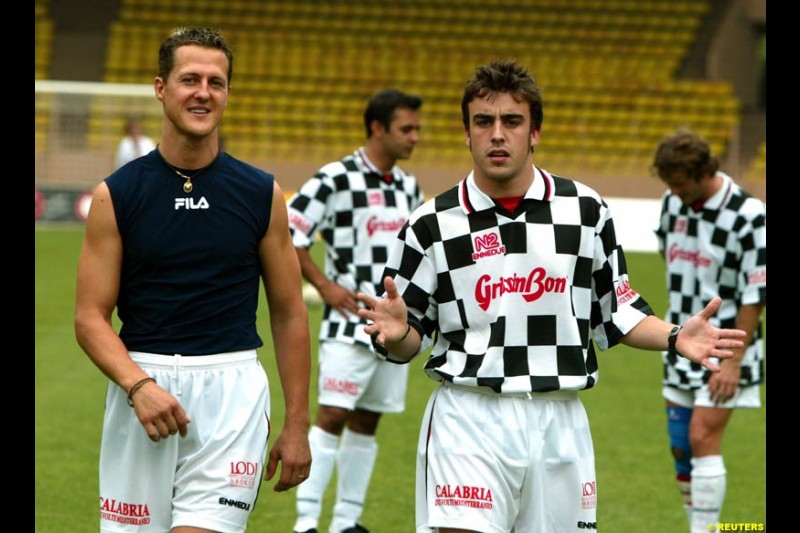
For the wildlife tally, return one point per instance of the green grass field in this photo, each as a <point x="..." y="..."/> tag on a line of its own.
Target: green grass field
<point x="634" y="467"/>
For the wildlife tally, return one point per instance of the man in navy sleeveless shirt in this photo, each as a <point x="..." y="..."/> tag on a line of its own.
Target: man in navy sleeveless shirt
<point x="177" y="242"/>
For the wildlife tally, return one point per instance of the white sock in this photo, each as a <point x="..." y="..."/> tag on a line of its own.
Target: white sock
<point x="309" y="493"/>
<point x="685" y="486"/>
<point x="708" y="491"/>
<point x="355" y="462"/>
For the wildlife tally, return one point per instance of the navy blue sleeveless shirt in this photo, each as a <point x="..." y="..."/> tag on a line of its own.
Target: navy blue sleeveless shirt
<point x="190" y="268"/>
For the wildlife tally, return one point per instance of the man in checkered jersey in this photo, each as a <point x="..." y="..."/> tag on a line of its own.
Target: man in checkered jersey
<point x="513" y="273"/>
<point x="713" y="236"/>
<point x="357" y="205"/>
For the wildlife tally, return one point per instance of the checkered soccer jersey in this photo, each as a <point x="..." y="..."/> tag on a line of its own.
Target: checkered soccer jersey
<point x="515" y="299"/>
<point x="720" y="250"/>
<point x="357" y="212"/>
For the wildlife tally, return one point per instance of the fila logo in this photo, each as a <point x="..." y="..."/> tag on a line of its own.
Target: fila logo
<point x="190" y="203"/>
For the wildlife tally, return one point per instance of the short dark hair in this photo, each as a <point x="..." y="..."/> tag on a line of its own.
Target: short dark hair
<point x="684" y="153"/>
<point x="204" y="37"/>
<point x="382" y="105"/>
<point x="504" y="77"/>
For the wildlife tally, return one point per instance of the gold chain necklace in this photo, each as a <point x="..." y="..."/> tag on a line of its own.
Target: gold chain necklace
<point x="187" y="185"/>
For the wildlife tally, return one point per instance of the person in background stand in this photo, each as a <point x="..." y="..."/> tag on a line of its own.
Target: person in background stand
<point x="357" y="205"/>
<point x="713" y="237"/>
<point x="134" y="144"/>
<point x="179" y="241"/>
<point x="513" y="275"/>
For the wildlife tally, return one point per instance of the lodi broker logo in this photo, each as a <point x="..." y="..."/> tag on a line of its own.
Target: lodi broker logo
<point x="243" y="474"/>
<point x="589" y="495"/>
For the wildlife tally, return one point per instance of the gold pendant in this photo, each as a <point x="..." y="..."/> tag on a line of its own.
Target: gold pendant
<point x="187" y="187"/>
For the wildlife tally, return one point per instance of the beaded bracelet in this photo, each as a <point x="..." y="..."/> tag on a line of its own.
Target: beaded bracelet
<point x="136" y="386"/>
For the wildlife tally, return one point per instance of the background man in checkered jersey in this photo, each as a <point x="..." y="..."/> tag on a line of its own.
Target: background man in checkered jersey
<point x="514" y="272"/>
<point x="357" y="205"/>
<point x="713" y="236"/>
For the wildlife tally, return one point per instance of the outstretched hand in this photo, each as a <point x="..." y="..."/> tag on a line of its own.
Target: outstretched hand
<point x="388" y="316"/>
<point x="699" y="340"/>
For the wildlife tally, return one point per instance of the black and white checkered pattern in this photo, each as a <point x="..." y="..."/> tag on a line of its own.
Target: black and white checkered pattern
<point x="720" y="250"/>
<point x="514" y="299"/>
<point x="358" y="215"/>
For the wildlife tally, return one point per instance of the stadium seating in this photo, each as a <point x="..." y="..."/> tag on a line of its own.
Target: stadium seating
<point x="43" y="51"/>
<point x="758" y="167"/>
<point x="304" y="70"/>
<point x="43" y="39"/>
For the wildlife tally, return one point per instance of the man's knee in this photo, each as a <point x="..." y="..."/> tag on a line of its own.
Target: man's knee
<point x="678" y="419"/>
<point x="332" y="419"/>
<point x="364" y="422"/>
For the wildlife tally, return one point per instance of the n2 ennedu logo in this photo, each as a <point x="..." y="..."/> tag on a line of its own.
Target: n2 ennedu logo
<point x="190" y="203"/>
<point x="487" y="245"/>
<point x="532" y="286"/>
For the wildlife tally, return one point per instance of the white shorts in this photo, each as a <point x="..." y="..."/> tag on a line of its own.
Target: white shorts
<point x="745" y="398"/>
<point x="351" y="375"/>
<point x="497" y="463"/>
<point x="208" y="479"/>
